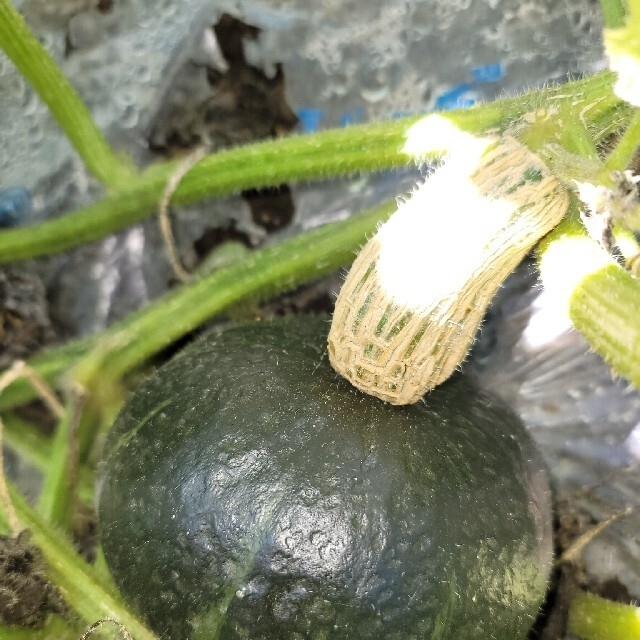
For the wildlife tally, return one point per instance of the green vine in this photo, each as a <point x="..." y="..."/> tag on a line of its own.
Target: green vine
<point x="362" y="148"/>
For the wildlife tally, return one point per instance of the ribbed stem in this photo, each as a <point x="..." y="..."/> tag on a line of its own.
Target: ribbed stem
<point x="627" y="146"/>
<point x="604" y="308"/>
<point x="368" y="147"/>
<point x="598" y="296"/>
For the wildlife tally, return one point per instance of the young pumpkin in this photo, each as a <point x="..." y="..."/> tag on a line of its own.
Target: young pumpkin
<point x="248" y="491"/>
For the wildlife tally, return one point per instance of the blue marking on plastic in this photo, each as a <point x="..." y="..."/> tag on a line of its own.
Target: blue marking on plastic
<point x="458" y="97"/>
<point x="487" y="72"/>
<point x="455" y="98"/>
<point x="15" y="202"/>
<point x="310" y="117"/>
<point x="465" y="102"/>
<point x="463" y="95"/>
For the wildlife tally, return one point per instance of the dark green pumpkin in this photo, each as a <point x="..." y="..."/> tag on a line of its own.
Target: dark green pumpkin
<point x="249" y="492"/>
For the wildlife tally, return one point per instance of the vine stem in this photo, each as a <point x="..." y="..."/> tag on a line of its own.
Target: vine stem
<point x="66" y="106"/>
<point x="133" y="341"/>
<point x="261" y="274"/>
<point x="5" y="498"/>
<point x="28" y="442"/>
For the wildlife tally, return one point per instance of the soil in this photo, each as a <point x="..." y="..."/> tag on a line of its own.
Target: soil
<point x="26" y="596"/>
<point x="25" y="326"/>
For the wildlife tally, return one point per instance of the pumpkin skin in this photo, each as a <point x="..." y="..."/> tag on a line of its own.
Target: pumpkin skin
<point x="248" y="491"/>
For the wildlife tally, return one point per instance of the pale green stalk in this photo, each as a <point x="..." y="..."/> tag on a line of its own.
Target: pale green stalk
<point x="627" y="147"/>
<point x="56" y="499"/>
<point x="36" y="449"/>
<point x="262" y="273"/>
<point x="134" y="340"/>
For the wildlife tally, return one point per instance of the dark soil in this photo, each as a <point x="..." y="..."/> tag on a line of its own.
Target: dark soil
<point x="26" y="596"/>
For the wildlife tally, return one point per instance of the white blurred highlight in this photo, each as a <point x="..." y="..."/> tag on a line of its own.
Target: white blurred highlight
<point x="436" y="134"/>
<point x="419" y="236"/>
<point x="564" y="264"/>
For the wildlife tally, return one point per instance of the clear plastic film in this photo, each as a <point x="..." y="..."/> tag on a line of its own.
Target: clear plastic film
<point x="586" y="422"/>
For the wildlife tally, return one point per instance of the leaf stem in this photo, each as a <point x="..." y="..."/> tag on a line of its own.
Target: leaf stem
<point x="55" y="501"/>
<point x="298" y="158"/>
<point x="66" y="106"/>
<point x="36" y="449"/>
<point x="49" y="364"/>
<point x="262" y="273"/>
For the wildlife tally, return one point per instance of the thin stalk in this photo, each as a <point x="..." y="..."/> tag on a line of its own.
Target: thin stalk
<point x="131" y="342"/>
<point x="56" y="498"/>
<point x="66" y="106"/>
<point x="294" y="159"/>
<point x="595" y="618"/>
<point x="50" y="364"/>
<point x="27" y="441"/>
<point x="360" y="148"/>
<point x="83" y="588"/>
